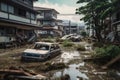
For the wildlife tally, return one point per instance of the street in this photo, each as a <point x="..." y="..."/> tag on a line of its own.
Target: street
<point x="77" y="69"/>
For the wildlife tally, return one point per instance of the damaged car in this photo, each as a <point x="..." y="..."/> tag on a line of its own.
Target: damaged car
<point x="41" y="51"/>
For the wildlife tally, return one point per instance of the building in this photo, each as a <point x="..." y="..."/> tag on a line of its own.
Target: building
<point x="17" y="21"/>
<point x="70" y="27"/>
<point x="47" y="19"/>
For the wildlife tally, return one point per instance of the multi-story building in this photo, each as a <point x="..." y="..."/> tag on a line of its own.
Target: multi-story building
<point x="47" y="19"/>
<point x="70" y="27"/>
<point x="17" y="20"/>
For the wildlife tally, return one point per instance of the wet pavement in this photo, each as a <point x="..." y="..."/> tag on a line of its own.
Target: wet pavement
<point x="71" y="58"/>
<point x="78" y="69"/>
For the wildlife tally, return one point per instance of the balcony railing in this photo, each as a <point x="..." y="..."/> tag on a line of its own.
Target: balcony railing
<point x="16" y="18"/>
<point x="3" y="15"/>
<point x="49" y="17"/>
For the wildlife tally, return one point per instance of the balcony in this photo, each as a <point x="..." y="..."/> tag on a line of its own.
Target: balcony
<point x="49" y="17"/>
<point x="8" y="16"/>
<point x="23" y="3"/>
<point x="17" y="18"/>
<point x="3" y="15"/>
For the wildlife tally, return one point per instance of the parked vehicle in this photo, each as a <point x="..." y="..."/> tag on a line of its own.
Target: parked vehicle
<point x="67" y="36"/>
<point x="72" y="37"/>
<point x="41" y="51"/>
<point x="75" y="38"/>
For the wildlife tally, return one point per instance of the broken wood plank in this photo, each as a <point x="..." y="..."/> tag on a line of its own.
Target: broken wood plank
<point x="17" y="72"/>
<point x="111" y="62"/>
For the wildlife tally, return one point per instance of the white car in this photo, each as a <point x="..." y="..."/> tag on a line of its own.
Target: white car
<point x="67" y="36"/>
<point x="72" y="37"/>
<point x="41" y="51"/>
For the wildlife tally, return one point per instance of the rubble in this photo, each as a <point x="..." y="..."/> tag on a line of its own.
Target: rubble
<point x="20" y="74"/>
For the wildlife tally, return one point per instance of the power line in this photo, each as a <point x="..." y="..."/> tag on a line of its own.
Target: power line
<point x="67" y="14"/>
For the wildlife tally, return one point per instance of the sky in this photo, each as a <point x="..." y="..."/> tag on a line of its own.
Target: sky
<point x="64" y="7"/>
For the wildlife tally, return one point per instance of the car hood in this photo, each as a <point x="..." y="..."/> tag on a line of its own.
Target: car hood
<point x="35" y="51"/>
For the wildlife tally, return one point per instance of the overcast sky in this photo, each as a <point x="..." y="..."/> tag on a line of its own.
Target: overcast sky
<point x="63" y="7"/>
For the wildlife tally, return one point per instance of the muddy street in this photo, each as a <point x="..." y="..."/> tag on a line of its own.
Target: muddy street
<point x="76" y="68"/>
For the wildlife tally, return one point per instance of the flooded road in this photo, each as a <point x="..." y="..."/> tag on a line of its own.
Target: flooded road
<point x="71" y="58"/>
<point x="75" y="67"/>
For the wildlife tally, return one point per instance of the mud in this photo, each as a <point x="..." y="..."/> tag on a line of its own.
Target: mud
<point x="77" y="69"/>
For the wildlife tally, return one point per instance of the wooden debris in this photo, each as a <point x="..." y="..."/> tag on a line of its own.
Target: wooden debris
<point x="111" y="62"/>
<point x="21" y="74"/>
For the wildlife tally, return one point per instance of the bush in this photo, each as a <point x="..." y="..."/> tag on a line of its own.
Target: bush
<point x="83" y="33"/>
<point x="98" y="44"/>
<point x="110" y="51"/>
<point x="59" y="40"/>
<point x="47" y="40"/>
<point x="67" y="43"/>
<point x="80" y="48"/>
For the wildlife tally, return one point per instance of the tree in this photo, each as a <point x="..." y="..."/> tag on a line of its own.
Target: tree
<point x="95" y="13"/>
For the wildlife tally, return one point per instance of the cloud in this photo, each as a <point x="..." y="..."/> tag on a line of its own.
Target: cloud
<point x="74" y="18"/>
<point x="63" y="9"/>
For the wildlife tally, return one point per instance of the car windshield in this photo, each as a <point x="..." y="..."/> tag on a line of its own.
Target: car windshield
<point x="41" y="47"/>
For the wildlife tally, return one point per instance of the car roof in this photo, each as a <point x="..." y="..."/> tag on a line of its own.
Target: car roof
<point x="45" y="43"/>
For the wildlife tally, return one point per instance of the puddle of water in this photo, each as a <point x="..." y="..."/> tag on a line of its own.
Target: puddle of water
<point x="73" y="69"/>
<point x="74" y="73"/>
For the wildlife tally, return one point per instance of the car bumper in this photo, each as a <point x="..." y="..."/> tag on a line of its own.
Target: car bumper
<point x="24" y="58"/>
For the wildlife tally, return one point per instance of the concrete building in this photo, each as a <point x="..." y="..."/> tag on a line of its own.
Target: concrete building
<point x="47" y="19"/>
<point x="71" y="27"/>
<point x="17" y="21"/>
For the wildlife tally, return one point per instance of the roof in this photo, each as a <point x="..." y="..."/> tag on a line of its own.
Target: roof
<point x="45" y="9"/>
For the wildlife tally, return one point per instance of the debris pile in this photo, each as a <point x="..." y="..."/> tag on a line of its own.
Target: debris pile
<point x="20" y="73"/>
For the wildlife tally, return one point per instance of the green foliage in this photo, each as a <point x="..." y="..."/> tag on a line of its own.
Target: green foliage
<point x="67" y="43"/>
<point x="59" y="40"/>
<point x="47" y="40"/>
<point x="83" y="33"/>
<point x="98" y="44"/>
<point x="95" y="13"/>
<point x="80" y="48"/>
<point x="109" y="51"/>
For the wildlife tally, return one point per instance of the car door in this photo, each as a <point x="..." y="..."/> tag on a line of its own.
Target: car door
<point x="52" y="50"/>
<point x="58" y="48"/>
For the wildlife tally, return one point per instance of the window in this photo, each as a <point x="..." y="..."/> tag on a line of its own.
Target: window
<point x="21" y="12"/>
<point x="27" y="14"/>
<point x="41" y="47"/>
<point x="32" y="16"/>
<point x="11" y="9"/>
<point x="4" y="7"/>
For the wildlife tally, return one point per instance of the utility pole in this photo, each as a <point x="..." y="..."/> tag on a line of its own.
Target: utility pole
<point x="69" y="27"/>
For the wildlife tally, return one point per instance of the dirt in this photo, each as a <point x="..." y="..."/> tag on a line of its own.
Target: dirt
<point x="77" y="69"/>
